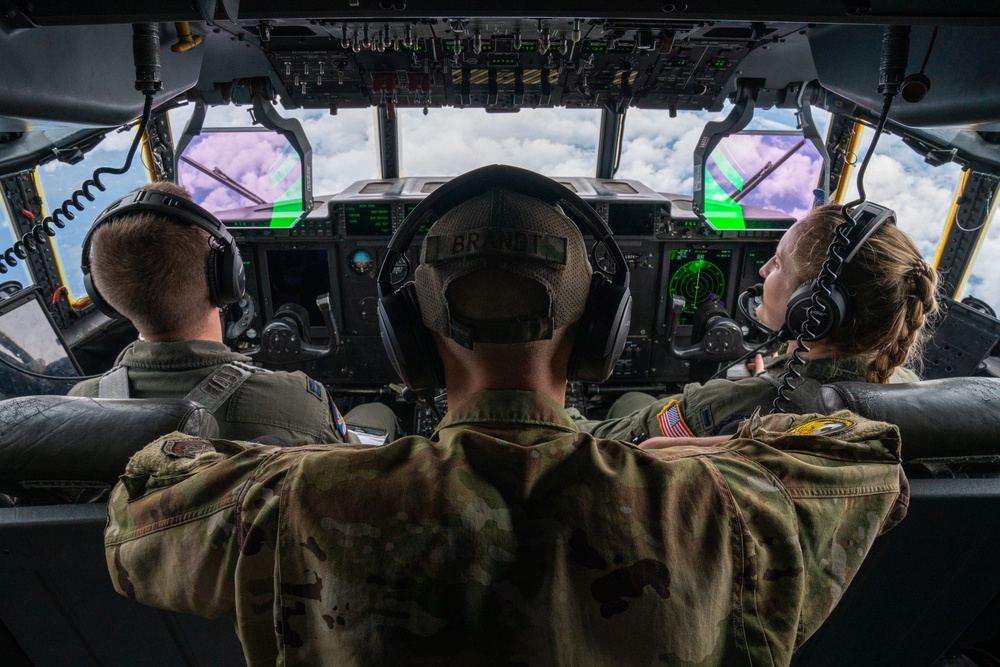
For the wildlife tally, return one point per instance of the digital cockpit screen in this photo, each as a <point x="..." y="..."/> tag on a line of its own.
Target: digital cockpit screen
<point x="700" y="276"/>
<point x="29" y="340"/>
<point x="298" y="277"/>
<point x="632" y="219"/>
<point x="368" y="219"/>
<point x="424" y="228"/>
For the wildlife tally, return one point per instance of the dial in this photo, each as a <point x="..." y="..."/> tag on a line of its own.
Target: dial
<point x="361" y="262"/>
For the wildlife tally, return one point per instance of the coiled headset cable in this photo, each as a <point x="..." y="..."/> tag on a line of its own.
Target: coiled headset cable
<point x="33" y="240"/>
<point x="895" y="47"/>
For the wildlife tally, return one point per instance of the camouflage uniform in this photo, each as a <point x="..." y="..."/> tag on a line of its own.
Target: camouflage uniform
<point x="704" y="409"/>
<point x="289" y="405"/>
<point x="510" y="538"/>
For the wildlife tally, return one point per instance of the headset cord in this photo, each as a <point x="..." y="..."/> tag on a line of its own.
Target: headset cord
<point x="56" y="378"/>
<point x="39" y="234"/>
<point x="828" y="275"/>
<point x="722" y="371"/>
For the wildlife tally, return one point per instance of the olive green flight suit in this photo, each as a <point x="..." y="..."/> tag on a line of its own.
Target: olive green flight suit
<point x="704" y="409"/>
<point x="291" y="406"/>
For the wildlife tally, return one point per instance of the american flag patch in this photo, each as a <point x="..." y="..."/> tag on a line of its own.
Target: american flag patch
<point x="672" y="422"/>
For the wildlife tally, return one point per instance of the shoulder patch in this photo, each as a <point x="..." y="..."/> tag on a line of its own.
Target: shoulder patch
<point x="823" y="426"/>
<point x="314" y="388"/>
<point x="672" y="422"/>
<point x="186" y="449"/>
<point x="338" y="420"/>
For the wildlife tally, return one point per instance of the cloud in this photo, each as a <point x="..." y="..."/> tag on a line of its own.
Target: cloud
<point x="556" y="142"/>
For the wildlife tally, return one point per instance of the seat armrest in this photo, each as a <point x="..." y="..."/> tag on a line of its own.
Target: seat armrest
<point x="946" y="418"/>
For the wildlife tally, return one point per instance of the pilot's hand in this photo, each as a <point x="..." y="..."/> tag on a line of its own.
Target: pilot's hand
<point x="759" y="364"/>
<point x="663" y="442"/>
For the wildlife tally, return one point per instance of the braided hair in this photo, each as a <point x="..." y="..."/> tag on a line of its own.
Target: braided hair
<point x="890" y="286"/>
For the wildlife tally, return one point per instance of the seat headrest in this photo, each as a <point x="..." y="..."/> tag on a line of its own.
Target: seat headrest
<point x="946" y="418"/>
<point x="71" y="449"/>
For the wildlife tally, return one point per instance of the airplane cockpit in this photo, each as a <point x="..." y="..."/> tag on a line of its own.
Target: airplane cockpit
<point x="699" y="135"/>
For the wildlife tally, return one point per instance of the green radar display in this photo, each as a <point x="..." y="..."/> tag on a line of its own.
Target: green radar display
<point x="698" y="276"/>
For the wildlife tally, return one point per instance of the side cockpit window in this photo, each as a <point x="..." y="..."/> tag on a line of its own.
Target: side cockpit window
<point x="58" y="180"/>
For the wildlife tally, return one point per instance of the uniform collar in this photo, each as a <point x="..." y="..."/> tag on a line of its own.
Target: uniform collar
<point x="829" y="369"/>
<point x="509" y="408"/>
<point x="182" y="355"/>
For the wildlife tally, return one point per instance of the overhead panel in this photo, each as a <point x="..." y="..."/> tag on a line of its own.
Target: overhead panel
<point x="506" y="65"/>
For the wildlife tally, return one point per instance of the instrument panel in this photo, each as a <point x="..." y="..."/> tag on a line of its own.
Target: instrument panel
<point x="339" y="246"/>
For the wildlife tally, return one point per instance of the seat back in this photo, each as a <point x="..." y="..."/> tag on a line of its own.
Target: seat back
<point x="929" y="586"/>
<point x="59" y="608"/>
<point x="72" y="449"/>
<point x="57" y="604"/>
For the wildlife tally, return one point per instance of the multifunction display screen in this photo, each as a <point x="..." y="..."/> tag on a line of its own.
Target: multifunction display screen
<point x="299" y="276"/>
<point x="700" y="276"/>
<point x="632" y="219"/>
<point x="368" y="219"/>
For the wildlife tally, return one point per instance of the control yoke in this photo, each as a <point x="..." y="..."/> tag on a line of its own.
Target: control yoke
<point x="286" y="338"/>
<point x="722" y="339"/>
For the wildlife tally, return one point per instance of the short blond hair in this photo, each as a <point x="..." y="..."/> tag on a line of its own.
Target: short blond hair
<point x="152" y="269"/>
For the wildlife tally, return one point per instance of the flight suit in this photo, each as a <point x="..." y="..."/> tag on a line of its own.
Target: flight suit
<point x="509" y="537"/>
<point x="291" y="406"/>
<point x="710" y="408"/>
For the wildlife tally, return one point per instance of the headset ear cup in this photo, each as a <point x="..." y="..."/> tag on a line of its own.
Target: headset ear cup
<point x="602" y="330"/>
<point x="408" y="342"/>
<point x="226" y="276"/>
<point x="96" y="298"/>
<point x="829" y="320"/>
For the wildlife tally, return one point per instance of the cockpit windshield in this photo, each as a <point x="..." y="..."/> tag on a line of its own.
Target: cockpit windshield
<point x="451" y="141"/>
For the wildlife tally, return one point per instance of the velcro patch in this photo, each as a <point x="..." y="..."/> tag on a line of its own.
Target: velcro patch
<point x="823" y="426"/>
<point x="496" y="241"/>
<point x="314" y="388"/>
<point x="186" y="449"/>
<point x="672" y="422"/>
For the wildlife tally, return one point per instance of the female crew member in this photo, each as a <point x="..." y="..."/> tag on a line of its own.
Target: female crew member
<point x="891" y="291"/>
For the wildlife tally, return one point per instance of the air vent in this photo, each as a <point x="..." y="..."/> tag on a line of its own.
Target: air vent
<point x="619" y="188"/>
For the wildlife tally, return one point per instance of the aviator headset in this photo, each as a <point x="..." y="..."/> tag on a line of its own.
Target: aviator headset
<point x="226" y="277"/>
<point x="833" y="308"/>
<point x="602" y="328"/>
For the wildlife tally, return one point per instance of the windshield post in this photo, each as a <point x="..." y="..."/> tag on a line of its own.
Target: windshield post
<point x="388" y="140"/>
<point x="968" y="221"/>
<point x="805" y="122"/>
<point x="609" y="143"/>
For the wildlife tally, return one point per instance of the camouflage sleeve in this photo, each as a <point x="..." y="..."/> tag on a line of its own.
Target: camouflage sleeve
<point x="699" y="411"/>
<point x="841" y="476"/>
<point x="638" y="426"/>
<point x="188" y="518"/>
